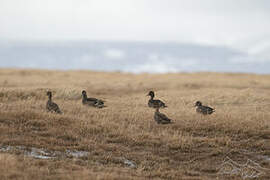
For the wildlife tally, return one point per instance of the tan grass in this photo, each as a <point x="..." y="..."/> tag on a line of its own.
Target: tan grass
<point x="192" y="147"/>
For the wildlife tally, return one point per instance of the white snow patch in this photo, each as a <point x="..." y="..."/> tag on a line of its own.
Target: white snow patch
<point x="167" y="64"/>
<point x="114" y="53"/>
<point x="248" y="60"/>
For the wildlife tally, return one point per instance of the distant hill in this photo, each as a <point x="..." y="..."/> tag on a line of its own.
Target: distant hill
<point x="128" y="57"/>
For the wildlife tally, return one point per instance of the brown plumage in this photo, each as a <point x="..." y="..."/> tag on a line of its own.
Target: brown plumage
<point x="161" y="118"/>
<point x="51" y="106"/>
<point x="91" y="101"/>
<point x="205" y="110"/>
<point x="155" y="103"/>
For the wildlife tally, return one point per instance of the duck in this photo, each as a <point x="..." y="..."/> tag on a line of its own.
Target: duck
<point x="155" y="103"/>
<point x="161" y="118"/>
<point x="51" y="106"/>
<point x="205" y="110"/>
<point x="91" y="101"/>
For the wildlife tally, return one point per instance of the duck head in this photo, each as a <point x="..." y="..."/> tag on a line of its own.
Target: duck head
<point x="198" y="103"/>
<point x="151" y="94"/>
<point x="84" y="93"/>
<point x="49" y="94"/>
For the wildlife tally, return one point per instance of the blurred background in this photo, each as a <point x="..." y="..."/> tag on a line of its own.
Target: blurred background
<point x="155" y="36"/>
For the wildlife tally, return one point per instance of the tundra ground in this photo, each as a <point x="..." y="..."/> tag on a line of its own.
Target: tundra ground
<point x="192" y="147"/>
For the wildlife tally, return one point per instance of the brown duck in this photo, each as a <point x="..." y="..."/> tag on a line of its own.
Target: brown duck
<point x="161" y="118"/>
<point x="155" y="103"/>
<point x="51" y="106"/>
<point x="91" y="101"/>
<point x="205" y="110"/>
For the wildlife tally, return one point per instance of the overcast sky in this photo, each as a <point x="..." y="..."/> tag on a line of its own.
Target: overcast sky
<point x="240" y="24"/>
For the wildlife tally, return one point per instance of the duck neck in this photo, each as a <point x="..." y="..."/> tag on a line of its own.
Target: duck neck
<point x="84" y="96"/>
<point x="50" y="97"/>
<point x="151" y="97"/>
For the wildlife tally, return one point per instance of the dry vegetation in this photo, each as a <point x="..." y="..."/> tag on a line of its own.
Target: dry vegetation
<point x="193" y="147"/>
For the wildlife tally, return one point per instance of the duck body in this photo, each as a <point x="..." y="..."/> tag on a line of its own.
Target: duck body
<point x="205" y="110"/>
<point x="161" y="118"/>
<point x="51" y="106"/>
<point x="155" y="103"/>
<point x="91" y="101"/>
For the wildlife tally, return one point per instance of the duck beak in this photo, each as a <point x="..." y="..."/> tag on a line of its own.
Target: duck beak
<point x="147" y="95"/>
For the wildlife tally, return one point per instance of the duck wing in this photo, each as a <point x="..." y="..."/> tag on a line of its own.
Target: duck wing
<point x="94" y="102"/>
<point x="160" y="103"/>
<point x="205" y="110"/>
<point x="92" y="99"/>
<point x="99" y="104"/>
<point x="57" y="109"/>
<point x="209" y="110"/>
<point x="156" y="103"/>
<point x="53" y="107"/>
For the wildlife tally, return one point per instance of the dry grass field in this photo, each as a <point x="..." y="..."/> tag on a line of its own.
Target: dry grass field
<point x="192" y="147"/>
